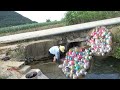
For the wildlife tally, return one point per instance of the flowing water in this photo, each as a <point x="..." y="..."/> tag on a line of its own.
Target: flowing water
<point x="50" y="69"/>
<point x="109" y="65"/>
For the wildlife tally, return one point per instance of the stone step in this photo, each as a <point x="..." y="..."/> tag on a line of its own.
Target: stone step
<point x="102" y="76"/>
<point x="11" y="63"/>
<point x="40" y="75"/>
<point x="25" y="69"/>
<point x="2" y="55"/>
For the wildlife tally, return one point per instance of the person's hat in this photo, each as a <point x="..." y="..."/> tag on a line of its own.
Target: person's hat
<point x="62" y="48"/>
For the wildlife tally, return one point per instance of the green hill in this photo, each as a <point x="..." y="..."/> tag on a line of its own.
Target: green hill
<point x="11" y="18"/>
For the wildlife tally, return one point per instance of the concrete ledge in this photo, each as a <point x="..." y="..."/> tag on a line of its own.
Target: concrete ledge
<point x="25" y="69"/>
<point x="14" y="64"/>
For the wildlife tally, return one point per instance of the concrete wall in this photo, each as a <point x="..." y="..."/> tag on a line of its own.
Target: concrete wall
<point x="63" y="38"/>
<point x="38" y="50"/>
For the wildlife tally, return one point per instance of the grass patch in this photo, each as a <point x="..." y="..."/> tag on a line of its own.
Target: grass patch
<point x="29" y="27"/>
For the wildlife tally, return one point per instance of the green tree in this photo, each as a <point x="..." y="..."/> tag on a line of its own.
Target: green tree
<point x="48" y="20"/>
<point x="76" y="17"/>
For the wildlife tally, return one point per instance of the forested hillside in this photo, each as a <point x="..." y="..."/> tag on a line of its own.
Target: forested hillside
<point x="11" y="18"/>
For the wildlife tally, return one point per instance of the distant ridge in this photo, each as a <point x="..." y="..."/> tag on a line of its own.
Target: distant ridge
<point x="12" y="18"/>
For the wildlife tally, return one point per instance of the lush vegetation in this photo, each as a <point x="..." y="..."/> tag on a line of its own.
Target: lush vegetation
<point x="116" y="39"/>
<point x="75" y="17"/>
<point x="26" y="26"/>
<point x="11" y="18"/>
<point x="117" y="52"/>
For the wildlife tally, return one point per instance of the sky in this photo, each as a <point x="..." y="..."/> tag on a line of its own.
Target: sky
<point x="41" y="16"/>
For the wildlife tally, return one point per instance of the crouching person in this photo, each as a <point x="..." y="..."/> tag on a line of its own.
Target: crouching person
<point x="55" y="52"/>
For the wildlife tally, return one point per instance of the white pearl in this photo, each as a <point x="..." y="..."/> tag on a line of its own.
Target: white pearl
<point x="77" y="73"/>
<point x="86" y="57"/>
<point x="108" y="51"/>
<point x="110" y="37"/>
<point x="101" y="50"/>
<point x="92" y="46"/>
<point x="90" y="57"/>
<point x="74" y="76"/>
<point x="110" y="48"/>
<point x="86" y="50"/>
<point x="103" y="54"/>
<point x="106" y="36"/>
<point x="104" y="51"/>
<point x="85" y="73"/>
<point x="81" y="72"/>
<point x="106" y="30"/>
<point x="86" y="66"/>
<point x="109" y="33"/>
<point x="98" y="53"/>
<point x="90" y="53"/>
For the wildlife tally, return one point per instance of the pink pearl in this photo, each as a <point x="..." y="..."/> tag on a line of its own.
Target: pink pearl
<point x="81" y="50"/>
<point x="100" y="30"/>
<point x="72" y="62"/>
<point x="100" y="34"/>
<point x="95" y="47"/>
<point x="79" y="57"/>
<point x="85" y="61"/>
<point x="70" y="53"/>
<point x="93" y="33"/>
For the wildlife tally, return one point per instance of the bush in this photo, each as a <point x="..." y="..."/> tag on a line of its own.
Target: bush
<point x="117" y="53"/>
<point x="76" y="17"/>
<point x="116" y="39"/>
<point x="48" y="20"/>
